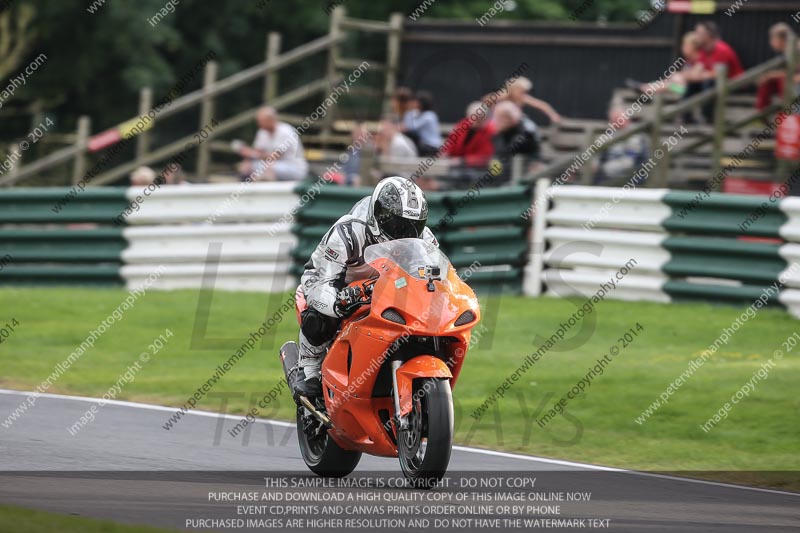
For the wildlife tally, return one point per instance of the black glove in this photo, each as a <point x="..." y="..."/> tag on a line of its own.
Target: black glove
<point x="346" y="297"/>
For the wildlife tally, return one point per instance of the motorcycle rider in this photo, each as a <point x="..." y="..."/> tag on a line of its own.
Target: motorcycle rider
<point x="396" y="209"/>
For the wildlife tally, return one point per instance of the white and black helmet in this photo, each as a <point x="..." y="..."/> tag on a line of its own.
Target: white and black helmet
<point x="397" y="210"/>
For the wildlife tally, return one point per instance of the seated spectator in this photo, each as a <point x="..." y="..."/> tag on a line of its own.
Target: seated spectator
<point x="391" y="143"/>
<point x="404" y="108"/>
<point x="772" y="83"/>
<point x="173" y="175"/>
<point x="516" y="135"/>
<point x="518" y="91"/>
<point x="421" y="124"/>
<point x="143" y="176"/>
<point x="713" y="51"/>
<point x="277" y="152"/>
<point x="623" y="159"/>
<point x="351" y="169"/>
<point x="677" y="83"/>
<point x="471" y="139"/>
<point x="402" y="102"/>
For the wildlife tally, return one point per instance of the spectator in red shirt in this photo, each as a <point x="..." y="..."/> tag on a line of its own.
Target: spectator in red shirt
<point x="713" y="51"/>
<point x="471" y="138"/>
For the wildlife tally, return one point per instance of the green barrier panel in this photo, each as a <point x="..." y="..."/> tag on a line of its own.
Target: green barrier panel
<point x="502" y="282"/>
<point x="90" y="275"/>
<point x="723" y="214"/>
<point x="450" y="213"/>
<point x="53" y="205"/>
<point x="331" y="202"/>
<point x="43" y="250"/>
<point x="735" y="259"/>
<point x="63" y="245"/>
<point x="487" y="207"/>
<point x="488" y="246"/>
<point x="738" y="295"/>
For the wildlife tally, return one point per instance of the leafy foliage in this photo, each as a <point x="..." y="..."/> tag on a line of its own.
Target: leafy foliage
<point x="98" y="62"/>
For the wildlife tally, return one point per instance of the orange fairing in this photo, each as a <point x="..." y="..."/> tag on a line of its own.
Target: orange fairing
<point x="356" y="372"/>
<point x="423" y="366"/>
<point x="425" y="313"/>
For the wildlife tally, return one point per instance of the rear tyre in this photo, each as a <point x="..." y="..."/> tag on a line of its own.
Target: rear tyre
<point x="321" y="454"/>
<point x="424" y="447"/>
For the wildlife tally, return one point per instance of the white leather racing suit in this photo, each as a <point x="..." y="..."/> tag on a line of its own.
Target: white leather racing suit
<point x="337" y="261"/>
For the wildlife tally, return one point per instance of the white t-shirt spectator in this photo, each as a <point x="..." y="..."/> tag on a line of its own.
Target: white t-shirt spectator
<point x="292" y="164"/>
<point x="401" y="146"/>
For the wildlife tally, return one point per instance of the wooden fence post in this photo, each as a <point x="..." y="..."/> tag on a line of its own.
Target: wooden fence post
<point x="393" y="41"/>
<point x="784" y="167"/>
<point x="271" y="77"/>
<point x="206" y="114"/>
<point x="82" y="139"/>
<point x="145" y="105"/>
<point x="791" y="69"/>
<point x="719" y="121"/>
<point x="334" y="55"/>
<point x="659" y="176"/>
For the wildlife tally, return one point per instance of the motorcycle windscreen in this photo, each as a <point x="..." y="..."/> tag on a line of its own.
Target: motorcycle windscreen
<point x="412" y="255"/>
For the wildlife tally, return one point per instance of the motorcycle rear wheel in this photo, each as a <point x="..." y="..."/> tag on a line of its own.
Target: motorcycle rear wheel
<point x="320" y="453"/>
<point x="424" y="447"/>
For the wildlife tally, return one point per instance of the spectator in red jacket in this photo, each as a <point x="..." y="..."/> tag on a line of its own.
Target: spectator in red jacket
<point x="471" y="139"/>
<point x="713" y="51"/>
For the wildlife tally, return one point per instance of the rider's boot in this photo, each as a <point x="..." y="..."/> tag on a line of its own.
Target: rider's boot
<point x="309" y="382"/>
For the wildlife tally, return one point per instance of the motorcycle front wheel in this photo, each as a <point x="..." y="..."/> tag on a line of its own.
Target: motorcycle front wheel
<point x="424" y="446"/>
<point x="321" y="454"/>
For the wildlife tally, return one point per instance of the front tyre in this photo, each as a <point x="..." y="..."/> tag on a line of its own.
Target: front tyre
<point x="424" y="447"/>
<point x="321" y="454"/>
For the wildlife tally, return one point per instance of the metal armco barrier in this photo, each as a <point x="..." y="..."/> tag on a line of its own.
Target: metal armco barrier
<point x="229" y="237"/>
<point x="483" y="232"/>
<point x="688" y="246"/>
<point x="48" y="237"/>
<point x="235" y="237"/>
<point x="257" y="237"/>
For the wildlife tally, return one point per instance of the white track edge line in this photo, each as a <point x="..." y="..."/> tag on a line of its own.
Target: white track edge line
<point x="468" y="449"/>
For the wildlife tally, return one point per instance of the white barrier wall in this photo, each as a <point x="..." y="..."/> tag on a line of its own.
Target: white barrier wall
<point x="673" y="244"/>
<point x="231" y="237"/>
<point x="214" y="203"/>
<point x="582" y="254"/>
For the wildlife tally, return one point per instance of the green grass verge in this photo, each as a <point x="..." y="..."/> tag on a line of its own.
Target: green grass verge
<point x="21" y="520"/>
<point x="760" y="433"/>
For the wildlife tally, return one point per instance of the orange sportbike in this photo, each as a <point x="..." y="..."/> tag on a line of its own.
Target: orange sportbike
<point x="388" y="377"/>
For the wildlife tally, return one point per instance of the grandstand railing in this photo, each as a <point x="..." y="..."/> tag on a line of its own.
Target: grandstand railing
<point x="212" y="89"/>
<point x="653" y="127"/>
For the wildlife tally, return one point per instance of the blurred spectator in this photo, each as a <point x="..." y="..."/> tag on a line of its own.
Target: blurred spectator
<point x="173" y="175"/>
<point x="391" y="143"/>
<point x="516" y="135"/>
<point x="518" y="92"/>
<point x="691" y="71"/>
<point x="402" y="102"/>
<point x="713" y="51"/>
<point x="351" y="169"/>
<point x="623" y="159"/>
<point x="421" y="124"/>
<point x="143" y="176"/>
<point x="471" y="139"/>
<point x="772" y="83"/>
<point x="277" y="152"/>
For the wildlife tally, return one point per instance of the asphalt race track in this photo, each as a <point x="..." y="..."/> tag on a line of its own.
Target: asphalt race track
<point x="124" y="466"/>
